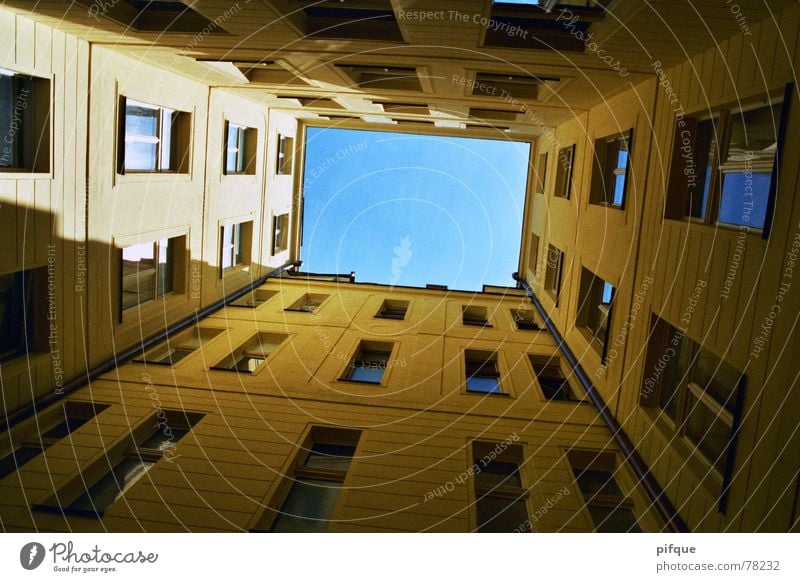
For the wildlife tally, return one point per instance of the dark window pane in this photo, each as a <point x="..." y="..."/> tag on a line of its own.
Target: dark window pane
<point x="717" y="378"/>
<point x="498" y="515"/>
<point x="325" y="456"/>
<point x="308" y="507"/>
<point x="556" y="389"/>
<point x="594" y="482"/>
<point x="110" y="487"/>
<point x="12" y="461"/>
<point x="707" y="431"/>
<point x="65" y="427"/>
<point x="614" y="519"/>
<point x="16" y="302"/>
<point x="497" y="473"/>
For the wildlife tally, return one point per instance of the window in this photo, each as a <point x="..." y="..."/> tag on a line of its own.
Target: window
<point x="371" y="77"/>
<point x="306" y="499"/>
<point x="525" y="320"/>
<point x="563" y="187"/>
<point x="594" y="309"/>
<point x="173" y="350"/>
<point x="695" y="389"/>
<point x="308" y="303"/>
<point x="252" y="354"/>
<point x="541" y="173"/>
<point x="240" y="149"/>
<point x="533" y="254"/>
<point x="551" y="379"/>
<point x="149" y="444"/>
<point x="162" y="16"/>
<point x="21" y="313"/>
<point x="611" y="511"/>
<point x="280" y="233"/>
<point x="482" y="374"/>
<point x="24" y="123"/>
<point x="285" y="155"/>
<point x="500" y="495"/>
<point x="393" y="309"/>
<point x="154" y="139"/>
<point x="254" y="298"/>
<point x="724" y="165"/>
<point x="474" y="315"/>
<point x="51" y="427"/>
<point x="149" y="270"/>
<point x="553" y="272"/>
<point x="235" y="245"/>
<point x="610" y="174"/>
<point x="370" y="362"/>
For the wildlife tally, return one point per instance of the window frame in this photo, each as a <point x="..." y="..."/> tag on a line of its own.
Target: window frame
<point x="253" y="349"/>
<point x="246" y="145"/>
<point x="181" y="342"/>
<point x="295" y="470"/>
<point x="511" y="454"/>
<point x="478" y="359"/>
<point x="662" y="335"/>
<point x="180" y="140"/>
<point x="33" y="153"/>
<point x="175" y="255"/>
<point x="69" y="492"/>
<point x="280" y="234"/>
<point x="558" y="269"/>
<point x="385" y="352"/>
<point x="678" y="201"/>
<point x="605" y="170"/>
<point x="284" y="157"/>
<point x="241" y="246"/>
<point x="565" y="168"/>
<point x="581" y="460"/>
<point x="586" y="320"/>
<point x="391" y="309"/>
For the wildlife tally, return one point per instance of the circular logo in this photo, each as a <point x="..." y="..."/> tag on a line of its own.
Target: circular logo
<point x="31" y="555"/>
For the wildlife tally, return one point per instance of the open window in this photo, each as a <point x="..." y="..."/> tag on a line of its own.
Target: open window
<point x="305" y="500"/>
<point x="25" y="105"/>
<point x="475" y="315"/>
<point x="725" y="165"/>
<point x="280" y="233"/>
<point x="285" y="159"/>
<point x="553" y="272"/>
<point x="308" y="303"/>
<point x="174" y="349"/>
<point x="393" y="309"/>
<point x="254" y="299"/>
<point x="563" y="186"/>
<point x="551" y="378"/>
<point x="153" y="139"/>
<point x="595" y="305"/>
<point x="150" y="271"/>
<point x="525" y="320"/>
<point x="249" y="357"/>
<point x="610" y="172"/>
<point x="236" y="242"/>
<point x="241" y="144"/>
<point x="92" y="492"/>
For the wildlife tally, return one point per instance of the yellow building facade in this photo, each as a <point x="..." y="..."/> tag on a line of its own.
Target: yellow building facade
<point x="642" y="376"/>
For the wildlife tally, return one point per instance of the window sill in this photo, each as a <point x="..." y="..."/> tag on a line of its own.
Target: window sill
<point x="475" y="393"/>
<point x="727" y="231"/>
<point x="359" y="382"/>
<point x="56" y="509"/>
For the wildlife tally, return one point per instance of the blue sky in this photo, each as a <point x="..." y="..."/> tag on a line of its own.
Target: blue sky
<point x="405" y="209"/>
